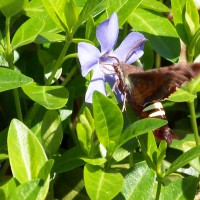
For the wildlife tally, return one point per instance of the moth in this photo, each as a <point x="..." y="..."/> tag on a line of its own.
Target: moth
<point x="145" y="89"/>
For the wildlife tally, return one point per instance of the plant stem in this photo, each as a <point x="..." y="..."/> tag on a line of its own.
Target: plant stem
<point x="69" y="76"/>
<point x="60" y="60"/>
<point x="10" y="58"/>
<point x="158" y="190"/>
<point x="157" y="60"/>
<point x="193" y="121"/>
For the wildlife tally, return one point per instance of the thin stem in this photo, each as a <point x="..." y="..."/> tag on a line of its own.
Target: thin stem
<point x="69" y="76"/>
<point x="158" y="190"/>
<point x="10" y="59"/>
<point x="157" y="60"/>
<point x="194" y="122"/>
<point x="60" y="60"/>
<point x="73" y="55"/>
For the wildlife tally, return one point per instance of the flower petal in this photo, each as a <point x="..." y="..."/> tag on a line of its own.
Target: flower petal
<point x="97" y="83"/>
<point x="107" y="33"/>
<point x="112" y="79"/>
<point x="88" y="57"/>
<point x="131" y="48"/>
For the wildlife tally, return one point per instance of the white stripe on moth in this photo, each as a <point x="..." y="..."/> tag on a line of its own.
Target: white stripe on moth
<point x="157" y="113"/>
<point x="156" y="105"/>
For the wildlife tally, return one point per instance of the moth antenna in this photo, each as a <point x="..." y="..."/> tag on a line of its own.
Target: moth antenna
<point x="132" y="49"/>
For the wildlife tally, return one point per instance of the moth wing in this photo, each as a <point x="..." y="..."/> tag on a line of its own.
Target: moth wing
<point x="157" y="84"/>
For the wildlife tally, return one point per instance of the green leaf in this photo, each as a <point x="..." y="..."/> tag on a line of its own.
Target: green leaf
<point x="194" y="85"/>
<point x="177" y="10"/>
<point x="154" y="5"/>
<point x="149" y="149"/>
<point x="69" y="160"/>
<point x="100" y="184"/>
<point x="56" y="9"/>
<point x="90" y="29"/>
<point x="191" y="19"/>
<point x="194" y="47"/>
<point x="3" y="156"/>
<point x="108" y="124"/>
<point x="184" y="159"/>
<point x="27" y="32"/>
<point x="51" y="132"/>
<point x="46" y="169"/>
<point x="159" y="38"/>
<point x="123" y="10"/>
<point x="48" y="37"/>
<point x="181" y="189"/>
<point x="94" y="161"/>
<point x="139" y="183"/>
<point x="71" y="13"/>
<point x="181" y="95"/>
<point x="26" y="155"/>
<point x="140" y="127"/>
<point x="8" y="186"/>
<point x="93" y="8"/>
<point x="85" y="130"/>
<point x="51" y="97"/>
<point x="11" y="7"/>
<point x="26" y="191"/>
<point x="10" y="79"/>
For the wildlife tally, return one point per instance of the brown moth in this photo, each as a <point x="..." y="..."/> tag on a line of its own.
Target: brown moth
<point x="142" y="89"/>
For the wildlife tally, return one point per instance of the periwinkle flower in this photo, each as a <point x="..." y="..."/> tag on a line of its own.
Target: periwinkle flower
<point x="129" y="51"/>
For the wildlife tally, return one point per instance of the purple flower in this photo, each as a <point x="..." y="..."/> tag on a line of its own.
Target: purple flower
<point x="101" y="62"/>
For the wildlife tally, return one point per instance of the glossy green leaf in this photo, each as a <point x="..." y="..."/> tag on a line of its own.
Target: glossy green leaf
<point x="194" y="47"/>
<point x="85" y="129"/>
<point x="139" y="183"/>
<point x="56" y="9"/>
<point x="27" y="32"/>
<point x="3" y="156"/>
<point x="8" y="186"/>
<point x="108" y="125"/>
<point x="149" y="150"/>
<point x="51" y="97"/>
<point x="194" y="85"/>
<point x="26" y="155"/>
<point x="35" y="118"/>
<point x="11" y="7"/>
<point x="181" y="189"/>
<point x="10" y="79"/>
<point x="93" y="8"/>
<point x="69" y="160"/>
<point x="178" y="11"/>
<point x="90" y="29"/>
<point x="71" y="13"/>
<point x="191" y="19"/>
<point x="154" y="5"/>
<point x="123" y="9"/>
<point x="101" y="185"/>
<point x="140" y="127"/>
<point x="51" y="132"/>
<point x="46" y="169"/>
<point x="184" y="159"/>
<point x="181" y="95"/>
<point x="26" y="191"/>
<point x="48" y="37"/>
<point x="120" y="153"/>
<point x="34" y="7"/>
<point x="159" y="38"/>
<point x="94" y="161"/>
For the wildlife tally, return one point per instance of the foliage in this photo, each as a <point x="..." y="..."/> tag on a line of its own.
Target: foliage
<point x="55" y="146"/>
